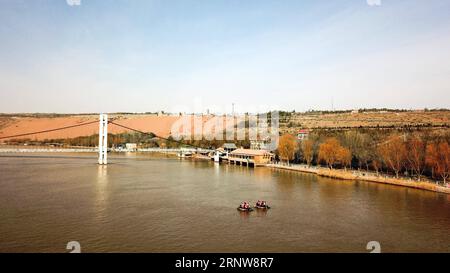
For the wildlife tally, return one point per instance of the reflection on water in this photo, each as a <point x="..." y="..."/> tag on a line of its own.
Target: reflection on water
<point x="101" y="203"/>
<point x="146" y="203"/>
<point x="261" y="212"/>
<point x="244" y="215"/>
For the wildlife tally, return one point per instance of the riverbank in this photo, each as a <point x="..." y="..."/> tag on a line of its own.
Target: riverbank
<point x="47" y="149"/>
<point x="363" y="176"/>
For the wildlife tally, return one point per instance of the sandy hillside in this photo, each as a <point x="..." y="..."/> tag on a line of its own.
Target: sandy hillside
<point x="161" y="125"/>
<point x="147" y="123"/>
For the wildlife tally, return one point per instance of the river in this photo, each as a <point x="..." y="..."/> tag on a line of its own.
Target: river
<point x="143" y="203"/>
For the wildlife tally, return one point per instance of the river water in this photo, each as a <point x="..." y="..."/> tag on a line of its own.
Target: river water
<point x="142" y="203"/>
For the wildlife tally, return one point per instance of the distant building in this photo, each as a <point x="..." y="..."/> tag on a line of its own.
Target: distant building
<point x="250" y="157"/>
<point x="303" y="134"/>
<point x="54" y="144"/>
<point x="229" y="147"/>
<point x="131" y="146"/>
<point x="119" y="147"/>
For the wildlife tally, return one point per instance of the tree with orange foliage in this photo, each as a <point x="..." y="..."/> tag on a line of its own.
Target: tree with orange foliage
<point x="287" y="146"/>
<point x="416" y="155"/>
<point x="344" y="156"/>
<point x="308" y="150"/>
<point x="328" y="151"/>
<point x="443" y="167"/>
<point x="376" y="164"/>
<point x="431" y="158"/>
<point x="438" y="159"/>
<point x="393" y="152"/>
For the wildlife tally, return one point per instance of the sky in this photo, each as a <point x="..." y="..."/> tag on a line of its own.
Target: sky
<point x="91" y="56"/>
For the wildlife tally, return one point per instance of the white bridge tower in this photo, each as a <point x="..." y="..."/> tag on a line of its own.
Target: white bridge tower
<point x="103" y="140"/>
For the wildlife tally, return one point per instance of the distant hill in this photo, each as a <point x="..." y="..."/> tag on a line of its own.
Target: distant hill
<point x="13" y="124"/>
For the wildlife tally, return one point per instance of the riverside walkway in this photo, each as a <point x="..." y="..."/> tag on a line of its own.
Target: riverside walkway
<point x="364" y="176"/>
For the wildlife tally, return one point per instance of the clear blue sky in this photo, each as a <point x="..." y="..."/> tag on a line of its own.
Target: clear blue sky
<point x="108" y="55"/>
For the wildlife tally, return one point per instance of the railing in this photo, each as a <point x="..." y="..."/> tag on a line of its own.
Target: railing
<point x="92" y="150"/>
<point x="174" y="150"/>
<point x="49" y="150"/>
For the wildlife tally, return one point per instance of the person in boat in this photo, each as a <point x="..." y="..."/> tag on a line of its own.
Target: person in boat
<point x="261" y="203"/>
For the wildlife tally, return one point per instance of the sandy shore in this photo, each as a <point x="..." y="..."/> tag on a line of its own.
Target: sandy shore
<point x="361" y="176"/>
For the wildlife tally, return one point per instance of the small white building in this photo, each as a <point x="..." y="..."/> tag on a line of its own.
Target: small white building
<point x="303" y="134"/>
<point x="131" y="146"/>
<point x="229" y="147"/>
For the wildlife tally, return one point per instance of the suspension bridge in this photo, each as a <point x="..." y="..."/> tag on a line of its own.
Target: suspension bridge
<point x="102" y="147"/>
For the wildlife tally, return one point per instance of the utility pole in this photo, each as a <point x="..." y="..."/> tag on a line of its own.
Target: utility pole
<point x="103" y="140"/>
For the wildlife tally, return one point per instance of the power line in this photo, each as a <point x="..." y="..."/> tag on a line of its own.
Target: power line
<point x="50" y="130"/>
<point x="154" y="135"/>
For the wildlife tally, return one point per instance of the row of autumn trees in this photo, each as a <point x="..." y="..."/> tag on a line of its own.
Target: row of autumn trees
<point x="415" y="154"/>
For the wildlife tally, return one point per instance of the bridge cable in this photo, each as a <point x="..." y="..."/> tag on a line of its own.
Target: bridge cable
<point x="50" y="130"/>
<point x="154" y="135"/>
